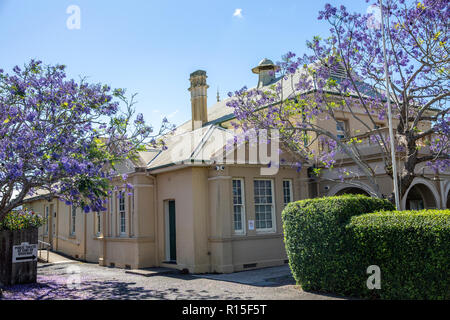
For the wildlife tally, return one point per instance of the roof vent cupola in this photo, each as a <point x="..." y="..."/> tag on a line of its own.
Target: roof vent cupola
<point x="266" y="70"/>
<point x="199" y="98"/>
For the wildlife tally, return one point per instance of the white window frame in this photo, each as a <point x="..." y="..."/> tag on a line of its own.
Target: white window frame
<point x="340" y="134"/>
<point x="291" y="191"/>
<point x="73" y="220"/>
<point x="122" y="214"/>
<point x="243" y="229"/>
<point x="53" y="220"/>
<point x="123" y="223"/>
<point x="111" y="214"/>
<point x="98" y="220"/>
<point x="273" y="215"/>
<point x="132" y="215"/>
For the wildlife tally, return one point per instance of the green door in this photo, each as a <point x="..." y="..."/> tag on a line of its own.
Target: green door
<point x="172" y="231"/>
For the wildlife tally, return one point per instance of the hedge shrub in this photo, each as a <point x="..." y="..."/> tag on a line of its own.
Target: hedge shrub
<point x="412" y="249"/>
<point x="319" y="253"/>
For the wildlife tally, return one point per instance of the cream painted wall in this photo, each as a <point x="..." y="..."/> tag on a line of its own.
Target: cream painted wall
<point x="189" y="190"/>
<point x="63" y="241"/>
<point x="230" y="251"/>
<point x="135" y="249"/>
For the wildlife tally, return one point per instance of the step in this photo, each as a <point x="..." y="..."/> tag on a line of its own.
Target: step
<point x="151" y="272"/>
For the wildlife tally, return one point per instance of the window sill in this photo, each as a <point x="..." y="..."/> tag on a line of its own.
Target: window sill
<point x="123" y="239"/>
<point x="265" y="231"/>
<point x="257" y="236"/>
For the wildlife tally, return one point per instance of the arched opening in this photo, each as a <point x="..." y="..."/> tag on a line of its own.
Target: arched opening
<point x="420" y="197"/>
<point x="352" y="190"/>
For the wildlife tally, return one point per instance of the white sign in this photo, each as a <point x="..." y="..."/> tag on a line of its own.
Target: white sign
<point x="251" y="224"/>
<point x="24" y="252"/>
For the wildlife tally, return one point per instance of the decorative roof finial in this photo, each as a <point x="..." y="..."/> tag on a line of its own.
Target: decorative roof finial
<point x="218" y="96"/>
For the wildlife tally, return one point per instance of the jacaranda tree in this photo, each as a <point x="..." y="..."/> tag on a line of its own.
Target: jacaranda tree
<point x="345" y="72"/>
<point x="64" y="137"/>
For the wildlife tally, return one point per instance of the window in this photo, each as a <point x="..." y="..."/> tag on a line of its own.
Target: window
<point x="111" y="214"/>
<point x="341" y="128"/>
<point x="238" y="206"/>
<point x="122" y="212"/>
<point x="46" y="220"/>
<point x="287" y="191"/>
<point x="416" y="205"/>
<point x="99" y="221"/>
<point x="73" y="219"/>
<point x="264" y="206"/>
<point x="132" y="214"/>
<point x="122" y="223"/>
<point x="53" y="221"/>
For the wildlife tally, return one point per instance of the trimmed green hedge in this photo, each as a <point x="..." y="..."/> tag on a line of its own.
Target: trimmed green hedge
<point x="412" y="249"/>
<point x="332" y="241"/>
<point x="319" y="254"/>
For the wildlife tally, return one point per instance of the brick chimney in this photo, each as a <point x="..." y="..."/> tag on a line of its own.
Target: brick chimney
<point x="199" y="99"/>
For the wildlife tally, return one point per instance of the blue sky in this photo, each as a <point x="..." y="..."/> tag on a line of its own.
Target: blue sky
<point x="151" y="47"/>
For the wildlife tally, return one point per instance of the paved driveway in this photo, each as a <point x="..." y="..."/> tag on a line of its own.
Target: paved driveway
<point x="76" y="280"/>
<point x="266" y="277"/>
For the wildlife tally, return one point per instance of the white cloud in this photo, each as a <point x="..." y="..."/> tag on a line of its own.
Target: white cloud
<point x="237" y="13"/>
<point x="168" y="116"/>
<point x="171" y="115"/>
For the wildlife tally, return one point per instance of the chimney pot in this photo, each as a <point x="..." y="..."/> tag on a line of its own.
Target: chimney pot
<point x="266" y="70"/>
<point x="199" y="98"/>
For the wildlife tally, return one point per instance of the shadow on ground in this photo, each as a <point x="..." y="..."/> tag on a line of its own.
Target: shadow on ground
<point x="265" y="277"/>
<point x="57" y="288"/>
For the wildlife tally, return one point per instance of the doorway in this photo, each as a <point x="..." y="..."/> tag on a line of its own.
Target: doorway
<point x="171" y="240"/>
<point x="352" y="190"/>
<point x="420" y="197"/>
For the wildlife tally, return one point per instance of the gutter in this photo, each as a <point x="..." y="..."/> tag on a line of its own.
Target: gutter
<point x="231" y="116"/>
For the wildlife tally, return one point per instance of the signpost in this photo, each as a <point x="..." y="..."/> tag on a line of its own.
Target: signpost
<point x="18" y="256"/>
<point x="24" y="252"/>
